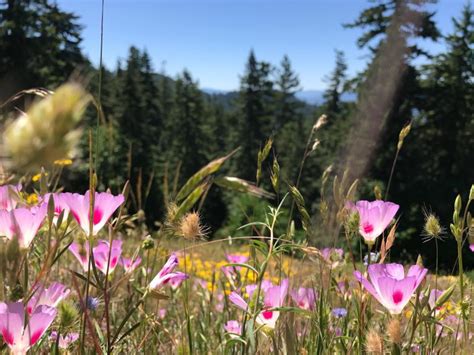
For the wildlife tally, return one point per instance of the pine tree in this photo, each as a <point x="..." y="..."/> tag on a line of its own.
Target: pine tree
<point x="443" y="131"/>
<point x="413" y="20"/>
<point x="336" y="85"/>
<point x="388" y="91"/>
<point x="184" y="128"/>
<point x="255" y="114"/>
<point x="151" y="97"/>
<point x="39" y="45"/>
<point x="286" y="85"/>
<point x="289" y="121"/>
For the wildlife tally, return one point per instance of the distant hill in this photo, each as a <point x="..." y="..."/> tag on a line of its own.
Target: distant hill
<point x="311" y="97"/>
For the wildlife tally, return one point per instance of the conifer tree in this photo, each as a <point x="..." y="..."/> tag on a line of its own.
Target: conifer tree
<point x="254" y="115"/>
<point x="388" y="91"/>
<point x="289" y="121"/>
<point x="336" y="86"/>
<point x="39" y="45"/>
<point x="184" y="127"/>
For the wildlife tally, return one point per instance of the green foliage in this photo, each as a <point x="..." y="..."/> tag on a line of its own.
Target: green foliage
<point x="39" y="45"/>
<point x="158" y="131"/>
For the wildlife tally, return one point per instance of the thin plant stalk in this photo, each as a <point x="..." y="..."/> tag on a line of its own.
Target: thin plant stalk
<point x="90" y="237"/>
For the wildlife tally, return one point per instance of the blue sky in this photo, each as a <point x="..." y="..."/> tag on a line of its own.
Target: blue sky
<point x="212" y="38"/>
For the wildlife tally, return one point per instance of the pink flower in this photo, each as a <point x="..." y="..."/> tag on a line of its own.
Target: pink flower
<point x="273" y="298"/>
<point x="20" y="336"/>
<point x="166" y="274"/>
<point x="105" y="205"/>
<point x="177" y="280"/>
<point x="233" y="327"/>
<point x="162" y="312"/>
<point x="101" y="255"/>
<point x="22" y="223"/>
<point x="64" y="340"/>
<point x="374" y="217"/>
<point x="202" y="283"/>
<point x="333" y="256"/>
<point x="229" y="270"/>
<point x="389" y="285"/>
<point x="434" y="296"/>
<point x="471" y="247"/>
<point x="60" y="205"/>
<point x="305" y="298"/>
<point x="250" y="289"/>
<point x="219" y="305"/>
<point x="237" y="258"/>
<point x="50" y="296"/>
<point x="129" y="265"/>
<point x="7" y="201"/>
<point x="81" y="252"/>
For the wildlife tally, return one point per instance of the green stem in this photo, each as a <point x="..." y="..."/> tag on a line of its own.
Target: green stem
<point x="25" y="276"/>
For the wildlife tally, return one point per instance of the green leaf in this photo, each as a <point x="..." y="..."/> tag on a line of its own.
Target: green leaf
<point x="198" y="177"/>
<point x="445" y="296"/>
<point x="191" y="200"/>
<point x="236" y="184"/>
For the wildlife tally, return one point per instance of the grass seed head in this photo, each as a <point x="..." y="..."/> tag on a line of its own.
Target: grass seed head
<point x="374" y="343"/>
<point x="190" y="226"/>
<point x="394" y="331"/>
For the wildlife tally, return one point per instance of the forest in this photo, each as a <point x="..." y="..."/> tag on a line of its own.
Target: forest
<point x="242" y="165"/>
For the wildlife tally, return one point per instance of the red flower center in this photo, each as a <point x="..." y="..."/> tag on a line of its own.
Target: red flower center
<point x="35" y="336"/>
<point x="267" y="314"/>
<point x="7" y="336"/>
<point x="368" y="228"/>
<point x="76" y="216"/>
<point x="397" y="296"/>
<point x="97" y="215"/>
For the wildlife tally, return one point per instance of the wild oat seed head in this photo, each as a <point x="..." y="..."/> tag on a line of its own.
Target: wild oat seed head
<point x="432" y="228"/>
<point x="315" y="145"/>
<point x="322" y="120"/>
<point x="374" y="343"/>
<point x="48" y="131"/>
<point x="394" y="331"/>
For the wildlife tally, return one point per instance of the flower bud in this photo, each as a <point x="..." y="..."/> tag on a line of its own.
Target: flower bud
<point x="458" y="204"/>
<point x="148" y="243"/>
<point x="377" y="192"/>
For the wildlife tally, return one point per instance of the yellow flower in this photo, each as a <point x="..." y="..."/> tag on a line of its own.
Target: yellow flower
<point x="408" y="314"/>
<point x="37" y="177"/>
<point x="63" y="162"/>
<point x="32" y="199"/>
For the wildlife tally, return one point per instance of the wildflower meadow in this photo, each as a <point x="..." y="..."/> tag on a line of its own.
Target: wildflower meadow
<point x="78" y="277"/>
<point x="139" y="215"/>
